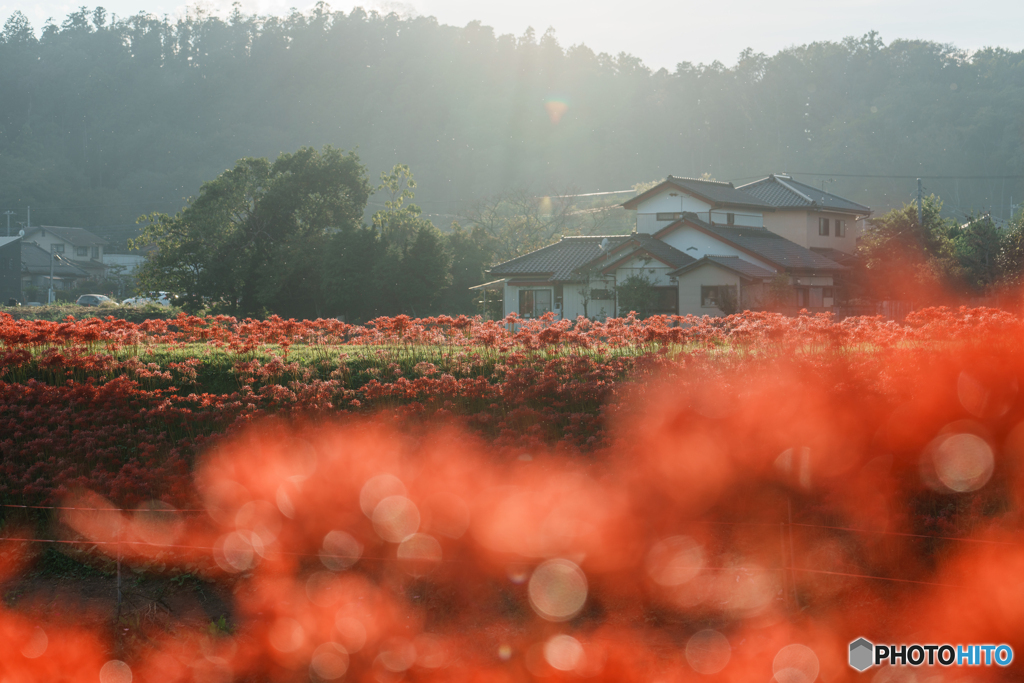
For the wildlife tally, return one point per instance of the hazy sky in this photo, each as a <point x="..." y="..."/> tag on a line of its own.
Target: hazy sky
<point x="661" y="32"/>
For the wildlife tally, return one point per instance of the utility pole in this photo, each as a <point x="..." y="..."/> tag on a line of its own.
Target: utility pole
<point x="28" y="221"/>
<point x="920" y="218"/>
<point x="8" y="214"/>
<point x="49" y="299"/>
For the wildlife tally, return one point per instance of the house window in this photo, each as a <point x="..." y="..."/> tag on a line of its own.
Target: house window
<point x="823" y="227"/>
<point x="57" y="248"/>
<point x="668" y="216"/>
<point x="534" y="303"/>
<point x="717" y="296"/>
<point x="95" y="252"/>
<point x="840" y="228"/>
<point x="82" y="251"/>
<point x="730" y="218"/>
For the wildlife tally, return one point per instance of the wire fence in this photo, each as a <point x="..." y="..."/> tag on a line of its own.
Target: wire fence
<point x="788" y="564"/>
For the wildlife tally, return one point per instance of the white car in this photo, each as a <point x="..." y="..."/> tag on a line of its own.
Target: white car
<point x="158" y="298"/>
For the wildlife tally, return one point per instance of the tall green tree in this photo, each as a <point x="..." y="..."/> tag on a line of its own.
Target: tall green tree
<point x="256" y="237"/>
<point x="903" y="259"/>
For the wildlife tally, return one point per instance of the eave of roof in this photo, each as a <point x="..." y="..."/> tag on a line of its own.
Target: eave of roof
<point x="633" y="254"/>
<point x="723" y="235"/>
<point x="745" y="269"/>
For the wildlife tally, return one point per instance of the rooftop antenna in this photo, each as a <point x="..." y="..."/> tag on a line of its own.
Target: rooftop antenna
<point x="11" y="213"/>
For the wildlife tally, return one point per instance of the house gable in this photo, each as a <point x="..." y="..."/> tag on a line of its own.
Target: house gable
<point x="697" y="242"/>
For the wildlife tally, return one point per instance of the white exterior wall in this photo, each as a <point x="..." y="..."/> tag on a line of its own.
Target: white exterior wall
<point x="802" y="227"/>
<point x="572" y="300"/>
<point x="707" y="275"/>
<point x="698" y="244"/>
<point x="747" y="219"/>
<point x="663" y="202"/>
<point x="655" y="271"/>
<point x="69" y="252"/>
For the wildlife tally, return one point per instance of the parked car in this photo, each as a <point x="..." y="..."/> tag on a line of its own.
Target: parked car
<point x="158" y="298"/>
<point x="94" y="300"/>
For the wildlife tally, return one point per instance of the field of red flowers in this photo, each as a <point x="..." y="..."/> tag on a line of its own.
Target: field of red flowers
<point x="454" y="499"/>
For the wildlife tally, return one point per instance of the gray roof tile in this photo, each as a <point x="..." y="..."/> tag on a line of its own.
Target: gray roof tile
<point x="558" y="260"/>
<point x="733" y="263"/>
<point x="664" y="252"/>
<point x="80" y="237"/>
<point x="783" y="192"/>
<point x="36" y="260"/>
<point x="713" y="191"/>
<point x="769" y="246"/>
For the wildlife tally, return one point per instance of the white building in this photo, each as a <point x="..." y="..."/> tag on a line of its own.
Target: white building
<point x="704" y="247"/>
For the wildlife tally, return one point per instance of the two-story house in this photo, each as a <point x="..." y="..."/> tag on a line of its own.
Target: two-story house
<point x="78" y="245"/>
<point x="813" y="218"/>
<point x="704" y="247"/>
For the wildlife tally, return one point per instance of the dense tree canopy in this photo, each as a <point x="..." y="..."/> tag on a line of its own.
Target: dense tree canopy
<point x="287" y="238"/>
<point x="103" y="118"/>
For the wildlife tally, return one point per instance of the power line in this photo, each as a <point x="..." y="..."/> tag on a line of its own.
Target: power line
<point x="913" y="177"/>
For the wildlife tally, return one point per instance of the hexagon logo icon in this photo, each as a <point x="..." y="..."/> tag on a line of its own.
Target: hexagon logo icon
<point x="861" y="654"/>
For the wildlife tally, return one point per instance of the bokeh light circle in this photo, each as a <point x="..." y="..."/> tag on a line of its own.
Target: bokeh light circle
<point x="350" y="632"/>
<point x="396" y="518"/>
<point x="558" y="590"/>
<point x="421" y="553"/>
<point x="377" y="489"/>
<point x="36" y="645"/>
<point x="329" y="661"/>
<point x="563" y="652"/>
<point x="675" y="560"/>
<point x="115" y="671"/>
<point x="287" y="635"/>
<point x="795" y="663"/>
<point x="708" y="651"/>
<point x="963" y="462"/>
<point x="340" y="550"/>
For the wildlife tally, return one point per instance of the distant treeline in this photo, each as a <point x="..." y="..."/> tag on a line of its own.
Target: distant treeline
<point x="103" y="119"/>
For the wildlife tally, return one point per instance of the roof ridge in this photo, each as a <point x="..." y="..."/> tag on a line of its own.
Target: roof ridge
<point x="793" y="189"/>
<point x="702" y="180"/>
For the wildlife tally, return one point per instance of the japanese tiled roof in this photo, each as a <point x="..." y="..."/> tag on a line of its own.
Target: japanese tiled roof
<point x="661" y="250"/>
<point x="767" y="245"/>
<point x="713" y="191"/>
<point x="36" y="260"/>
<point x="558" y="261"/>
<point x="745" y="268"/>
<point x="840" y="257"/>
<point x="80" y="237"/>
<point x="782" y="192"/>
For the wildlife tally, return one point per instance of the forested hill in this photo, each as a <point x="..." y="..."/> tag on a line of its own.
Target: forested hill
<point x="102" y="120"/>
